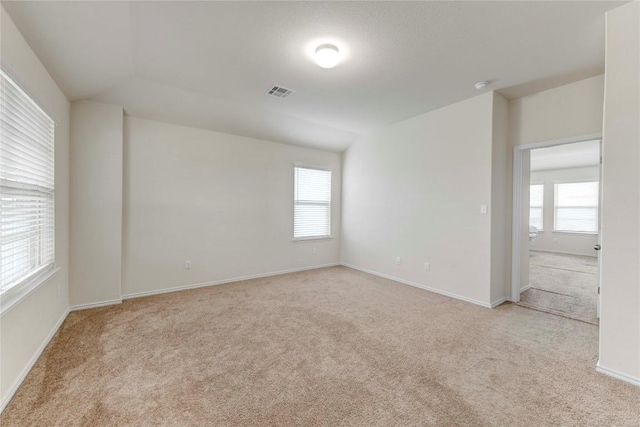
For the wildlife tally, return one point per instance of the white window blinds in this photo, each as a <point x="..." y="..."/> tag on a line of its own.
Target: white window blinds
<point x="576" y="207"/>
<point x="312" y="203"/>
<point x="26" y="186"/>
<point x="536" y="204"/>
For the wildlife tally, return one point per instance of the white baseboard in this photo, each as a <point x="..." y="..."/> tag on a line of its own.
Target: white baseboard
<point x="617" y="375"/>
<point x="500" y="301"/>
<point x="95" y="305"/>
<point x="32" y="361"/>
<point x="221" y="282"/>
<point x="534" y="249"/>
<point x="526" y="288"/>
<point x="426" y="288"/>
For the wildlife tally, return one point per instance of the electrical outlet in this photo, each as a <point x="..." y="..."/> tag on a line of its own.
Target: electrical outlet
<point x="398" y="261"/>
<point x="315" y="251"/>
<point x="187" y="264"/>
<point x="427" y="266"/>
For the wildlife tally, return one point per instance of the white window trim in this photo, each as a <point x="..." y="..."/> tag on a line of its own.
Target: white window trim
<point x="555" y="206"/>
<point x="306" y="239"/>
<point x="11" y="297"/>
<point x="580" y="233"/>
<point x="574" y="181"/>
<point x="16" y="294"/>
<point x="320" y="168"/>
<point x="316" y="167"/>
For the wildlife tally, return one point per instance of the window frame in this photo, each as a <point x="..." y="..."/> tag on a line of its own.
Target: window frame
<point x="555" y="207"/>
<point x="312" y="238"/>
<point x="31" y="282"/>
<point x="541" y="206"/>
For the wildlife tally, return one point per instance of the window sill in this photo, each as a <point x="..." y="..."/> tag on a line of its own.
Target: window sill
<point x="307" y="239"/>
<point x="12" y="297"/>
<point x="580" y="233"/>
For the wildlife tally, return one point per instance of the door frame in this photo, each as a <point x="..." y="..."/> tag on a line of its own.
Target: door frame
<point x="517" y="202"/>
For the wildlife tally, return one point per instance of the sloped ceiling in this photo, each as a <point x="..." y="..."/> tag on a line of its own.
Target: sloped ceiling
<point x="209" y="64"/>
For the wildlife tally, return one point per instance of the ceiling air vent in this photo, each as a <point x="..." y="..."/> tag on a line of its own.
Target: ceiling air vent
<point x="279" y="92"/>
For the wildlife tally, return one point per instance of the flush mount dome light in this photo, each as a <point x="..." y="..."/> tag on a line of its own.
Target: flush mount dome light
<point x="327" y="55"/>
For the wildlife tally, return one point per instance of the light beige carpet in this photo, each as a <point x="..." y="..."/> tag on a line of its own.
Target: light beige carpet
<point x="330" y="347"/>
<point x="561" y="284"/>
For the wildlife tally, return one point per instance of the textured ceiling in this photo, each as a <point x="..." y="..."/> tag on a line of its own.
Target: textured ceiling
<point x="209" y="64"/>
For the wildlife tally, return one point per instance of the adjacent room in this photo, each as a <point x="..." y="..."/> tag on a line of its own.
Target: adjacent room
<point x="239" y="213"/>
<point x="564" y="222"/>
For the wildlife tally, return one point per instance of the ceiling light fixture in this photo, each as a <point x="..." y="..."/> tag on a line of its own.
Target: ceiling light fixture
<point x="327" y="55"/>
<point x="481" y="85"/>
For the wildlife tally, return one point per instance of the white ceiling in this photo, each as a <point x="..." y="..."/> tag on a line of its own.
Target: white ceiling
<point x="209" y="64"/>
<point x="581" y="154"/>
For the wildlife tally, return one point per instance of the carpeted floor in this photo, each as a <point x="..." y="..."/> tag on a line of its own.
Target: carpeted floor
<point x="329" y="347"/>
<point x="563" y="284"/>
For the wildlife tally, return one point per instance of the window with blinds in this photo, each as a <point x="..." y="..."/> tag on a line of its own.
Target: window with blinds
<point x="312" y="203"/>
<point x="576" y="207"/>
<point x="536" y="206"/>
<point x="26" y="187"/>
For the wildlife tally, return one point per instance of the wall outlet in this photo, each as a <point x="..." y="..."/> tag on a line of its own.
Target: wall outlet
<point x="187" y="264"/>
<point x="398" y="261"/>
<point x="314" y="251"/>
<point x="484" y="209"/>
<point x="427" y="266"/>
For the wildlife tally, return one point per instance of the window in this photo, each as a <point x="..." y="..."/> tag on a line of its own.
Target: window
<point x="312" y="203"/>
<point x="26" y="187"/>
<point x="536" y="204"/>
<point x="576" y="207"/>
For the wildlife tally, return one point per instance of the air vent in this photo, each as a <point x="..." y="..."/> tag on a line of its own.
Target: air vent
<point x="279" y="92"/>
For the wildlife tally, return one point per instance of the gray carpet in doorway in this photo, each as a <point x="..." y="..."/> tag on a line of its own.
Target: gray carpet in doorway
<point x="561" y="284"/>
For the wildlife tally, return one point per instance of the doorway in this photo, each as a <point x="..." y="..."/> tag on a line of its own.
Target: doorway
<point x="556" y="227"/>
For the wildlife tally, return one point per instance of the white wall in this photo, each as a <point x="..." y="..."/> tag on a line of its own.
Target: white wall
<point x="500" y="270"/>
<point x="96" y="202"/>
<point x="620" y="275"/>
<point x="414" y="189"/>
<point x="222" y="201"/>
<point x="567" y="111"/>
<point x="27" y="326"/>
<point x="549" y="240"/>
